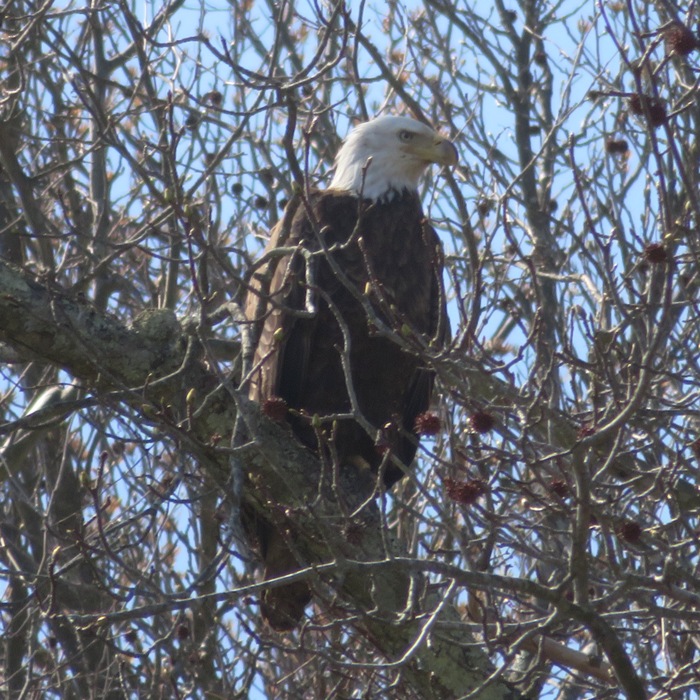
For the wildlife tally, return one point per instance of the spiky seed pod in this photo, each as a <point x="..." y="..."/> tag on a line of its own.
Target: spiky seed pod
<point x="657" y="113"/>
<point x="427" y="423"/>
<point x="635" y="104"/>
<point x="215" y="98"/>
<point x="680" y="40"/>
<point x="656" y="253"/>
<point x="275" y="408"/>
<point x="354" y="533"/>
<point x="630" y="531"/>
<point x="482" y="422"/>
<point x="617" y="146"/>
<point x="645" y="105"/>
<point x="465" y="492"/>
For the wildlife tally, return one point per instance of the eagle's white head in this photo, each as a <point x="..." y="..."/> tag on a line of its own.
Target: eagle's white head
<point x="389" y="154"/>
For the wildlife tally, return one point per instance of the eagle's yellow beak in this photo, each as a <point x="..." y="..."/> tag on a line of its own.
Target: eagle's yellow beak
<point x="446" y="152"/>
<point x="433" y="149"/>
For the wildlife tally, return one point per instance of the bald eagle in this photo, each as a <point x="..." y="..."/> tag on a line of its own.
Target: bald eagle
<point x="345" y="315"/>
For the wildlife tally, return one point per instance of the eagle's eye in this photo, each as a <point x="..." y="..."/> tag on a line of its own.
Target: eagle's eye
<point x="406" y="135"/>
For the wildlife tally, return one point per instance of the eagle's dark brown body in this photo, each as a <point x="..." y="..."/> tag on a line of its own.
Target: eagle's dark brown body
<point x="371" y="263"/>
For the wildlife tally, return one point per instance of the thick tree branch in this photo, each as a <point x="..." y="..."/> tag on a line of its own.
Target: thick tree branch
<point x="148" y="363"/>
